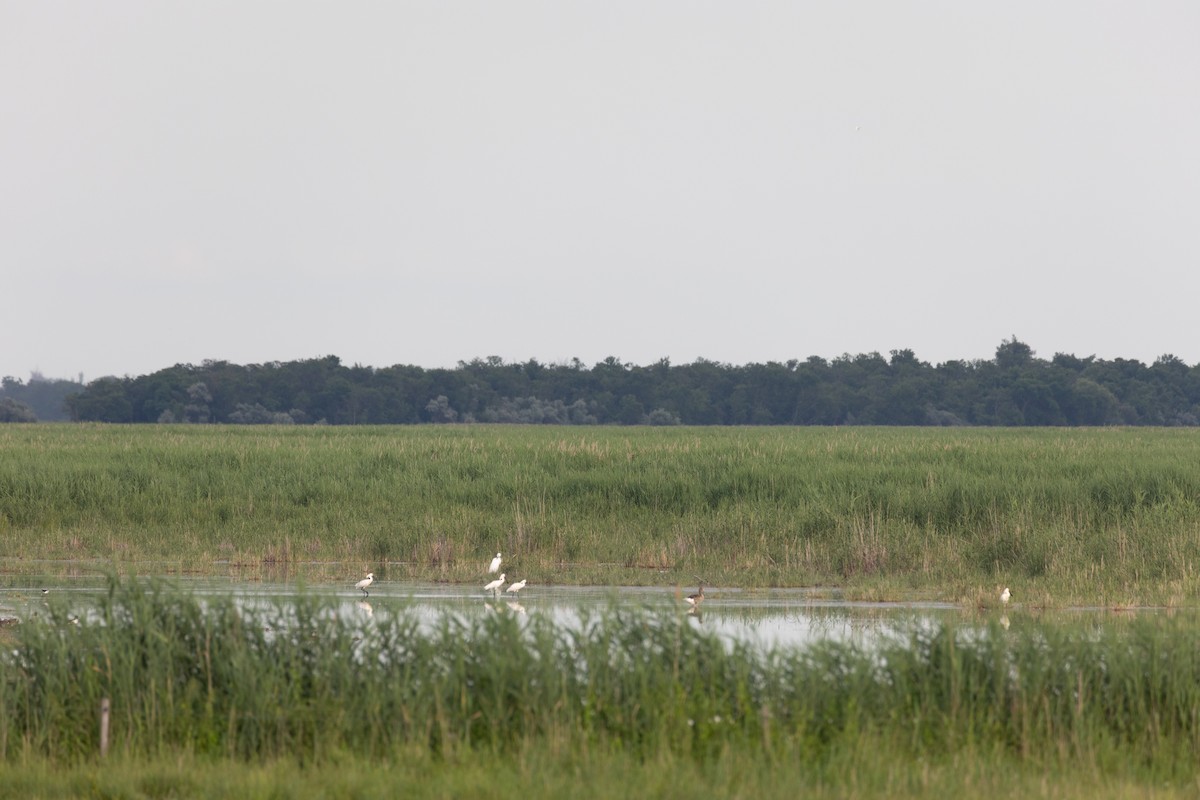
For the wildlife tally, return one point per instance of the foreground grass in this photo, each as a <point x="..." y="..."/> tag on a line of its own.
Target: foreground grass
<point x="857" y="772"/>
<point x="206" y="696"/>
<point x="1106" y="516"/>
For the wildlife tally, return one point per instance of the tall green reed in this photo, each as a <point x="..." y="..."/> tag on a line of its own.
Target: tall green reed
<point x="1108" y="515"/>
<point x="302" y="682"/>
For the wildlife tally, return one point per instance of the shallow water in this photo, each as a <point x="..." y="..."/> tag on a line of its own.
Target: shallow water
<point x="766" y="617"/>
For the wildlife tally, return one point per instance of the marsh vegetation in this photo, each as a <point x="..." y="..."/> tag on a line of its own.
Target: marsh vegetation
<point x="197" y="684"/>
<point x="212" y="697"/>
<point x="1109" y="517"/>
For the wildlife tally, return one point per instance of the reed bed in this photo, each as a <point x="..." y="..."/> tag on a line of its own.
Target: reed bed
<point x="1104" y="516"/>
<point x="866" y="771"/>
<point x="209" y="680"/>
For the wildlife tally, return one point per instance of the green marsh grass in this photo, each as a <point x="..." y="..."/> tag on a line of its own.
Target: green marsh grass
<point x="860" y="772"/>
<point x="1102" y="516"/>
<point x="201" y="687"/>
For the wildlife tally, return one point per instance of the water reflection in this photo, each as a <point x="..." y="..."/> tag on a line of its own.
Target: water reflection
<point x="764" y="617"/>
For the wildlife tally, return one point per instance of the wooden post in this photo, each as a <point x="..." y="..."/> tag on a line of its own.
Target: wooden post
<point x="104" y="727"/>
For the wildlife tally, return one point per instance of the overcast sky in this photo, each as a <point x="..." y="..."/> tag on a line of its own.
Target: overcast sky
<point x="429" y="182"/>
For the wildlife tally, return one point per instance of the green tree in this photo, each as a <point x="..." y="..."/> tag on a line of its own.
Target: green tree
<point x="1092" y="404"/>
<point x="104" y="400"/>
<point x="12" y="411"/>
<point x="1013" y="354"/>
<point x="630" y="411"/>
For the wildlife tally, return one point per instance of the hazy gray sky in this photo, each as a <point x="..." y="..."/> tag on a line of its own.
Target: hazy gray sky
<point x="428" y="182"/>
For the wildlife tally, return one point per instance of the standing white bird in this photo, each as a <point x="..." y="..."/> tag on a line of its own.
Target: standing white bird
<point x="364" y="583"/>
<point x="1005" y="595"/>
<point x="494" y="567"/>
<point x="516" y="587"/>
<point x="494" y="586"/>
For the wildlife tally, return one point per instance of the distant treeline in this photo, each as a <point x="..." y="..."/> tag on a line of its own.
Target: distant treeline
<point x="40" y="399"/>
<point x="1013" y="388"/>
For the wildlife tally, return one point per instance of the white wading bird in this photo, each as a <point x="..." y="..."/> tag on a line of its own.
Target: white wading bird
<point x="1005" y="595"/>
<point x="494" y="567"/>
<point x="494" y="586"/>
<point x="365" y="582"/>
<point x="516" y="587"/>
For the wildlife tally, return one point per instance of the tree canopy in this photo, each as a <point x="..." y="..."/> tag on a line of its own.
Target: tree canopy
<point x="40" y="398"/>
<point x="1013" y="388"/>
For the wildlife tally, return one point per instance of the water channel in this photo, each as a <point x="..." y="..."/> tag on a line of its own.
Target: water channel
<point x="768" y="617"/>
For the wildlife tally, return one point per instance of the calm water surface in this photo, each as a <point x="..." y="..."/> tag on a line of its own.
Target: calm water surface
<point x="766" y="617"/>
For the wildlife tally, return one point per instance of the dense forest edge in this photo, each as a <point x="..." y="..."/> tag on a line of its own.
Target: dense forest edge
<point x="1014" y="388"/>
